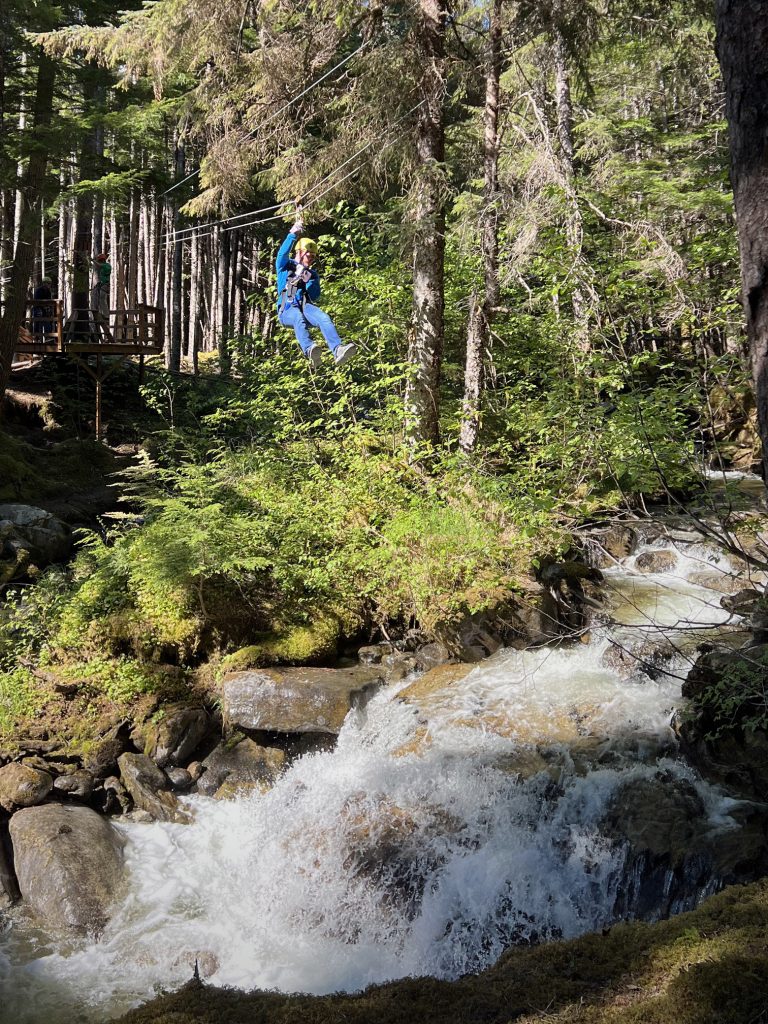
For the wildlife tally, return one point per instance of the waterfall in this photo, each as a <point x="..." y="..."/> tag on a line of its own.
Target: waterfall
<point x="439" y="831"/>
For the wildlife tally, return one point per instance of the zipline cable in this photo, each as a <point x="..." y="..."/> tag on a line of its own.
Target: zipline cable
<point x="291" y="101"/>
<point x="196" y="232"/>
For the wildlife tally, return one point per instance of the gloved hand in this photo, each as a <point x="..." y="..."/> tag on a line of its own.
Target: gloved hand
<point x="304" y="274"/>
<point x="298" y="228"/>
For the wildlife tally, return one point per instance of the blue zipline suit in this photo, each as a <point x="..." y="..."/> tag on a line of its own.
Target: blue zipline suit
<point x="298" y="310"/>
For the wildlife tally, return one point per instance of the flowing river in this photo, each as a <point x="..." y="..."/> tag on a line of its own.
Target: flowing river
<point x="447" y="823"/>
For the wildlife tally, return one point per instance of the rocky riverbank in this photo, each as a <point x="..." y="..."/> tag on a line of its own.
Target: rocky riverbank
<point x="237" y="735"/>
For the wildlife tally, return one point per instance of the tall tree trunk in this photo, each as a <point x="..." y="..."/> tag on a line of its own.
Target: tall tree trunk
<point x="61" y="289"/>
<point x="481" y="313"/>
<point x="574" y="225"/>
<point x="236" y="288"/>
<point x="32" y="193"/>
<point x="425" y="348"/>
<point x="222" y="300"/>
<point x="6" y="245"/>
<point x="133" y="250"/>
<point x="195" y="319"/>
<point x="174" y="355"/>
<point x="20" y="199"/>
<point x="742" y="49"/>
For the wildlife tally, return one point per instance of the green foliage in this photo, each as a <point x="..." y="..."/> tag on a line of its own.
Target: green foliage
<point x="121" y="680"/>
<point x="19" y="698"/>
<point x="280" y="541"/>
<point x="737" y="697"/>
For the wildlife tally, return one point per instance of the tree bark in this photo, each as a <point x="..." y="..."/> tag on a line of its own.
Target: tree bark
<point x="32" y="193"/>
<point x="195" y="319"/>
<point x="133" y="250"/>
<point x="742" y="49"/>
<point x="574" y="225"/>
<point x="174" y="356"/>
<point x="481" y="313"/>
<point x="425" y="348"/>
<point x="61" y="289"/>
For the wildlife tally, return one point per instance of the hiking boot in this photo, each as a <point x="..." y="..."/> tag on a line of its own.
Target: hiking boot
<point x="315" y="355"/>
<point x="344" y="353"/>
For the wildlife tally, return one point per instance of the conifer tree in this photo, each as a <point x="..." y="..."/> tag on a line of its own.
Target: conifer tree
<point x="742" y="48"/>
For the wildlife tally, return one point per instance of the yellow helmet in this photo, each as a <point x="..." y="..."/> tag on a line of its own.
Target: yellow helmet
<point x="306" y="245"/>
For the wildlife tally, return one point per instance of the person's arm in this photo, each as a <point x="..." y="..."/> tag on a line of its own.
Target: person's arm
<point x="282" y="261"/>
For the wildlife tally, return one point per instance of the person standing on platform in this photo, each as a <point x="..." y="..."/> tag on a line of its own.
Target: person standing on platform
<point x="102" y="272"/>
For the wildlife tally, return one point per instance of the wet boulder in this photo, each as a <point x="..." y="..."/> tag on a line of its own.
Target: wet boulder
<point x="520" y="620"/>
<point x="674" y="852"/>
<point x="612" y="543"/>
<point x="240" y="764"/>
<point x="9" y="891"/>
<point x="635" y="658"/>
<point x="68" y="863"/>
<point x="173" y="739"/>
<point x="180" y="778"/>
<point x="393" y="663"/>
<point x="744" y="602"/>
<point x="79" y="784"/>
<point x="296" y="700"/>
<point x="150" y="788"/>
<point x="23" y="786"/>
<point x="660" y="560"/>
<point x="432" y="655"/>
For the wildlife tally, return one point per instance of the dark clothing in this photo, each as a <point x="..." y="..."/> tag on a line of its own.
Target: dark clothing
<point x="42" y="293"/>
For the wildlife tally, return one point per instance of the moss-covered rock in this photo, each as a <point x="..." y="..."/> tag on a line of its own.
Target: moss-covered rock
<point x="313" y="643"/>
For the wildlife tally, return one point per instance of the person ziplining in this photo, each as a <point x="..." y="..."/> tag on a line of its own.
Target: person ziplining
<point x="298" y="289"/>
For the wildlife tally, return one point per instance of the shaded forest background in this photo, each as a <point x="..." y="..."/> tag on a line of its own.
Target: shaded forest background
<point x="591" y="221"/>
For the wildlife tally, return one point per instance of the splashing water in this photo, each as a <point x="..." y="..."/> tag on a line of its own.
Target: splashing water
<point x="439" y="831"/>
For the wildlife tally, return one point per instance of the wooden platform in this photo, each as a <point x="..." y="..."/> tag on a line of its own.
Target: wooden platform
<point x="119" y="334"/>
<point x="122" y="332"/>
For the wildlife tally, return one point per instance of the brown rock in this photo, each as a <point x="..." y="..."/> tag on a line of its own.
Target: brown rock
<point x="177" y="735"/>
<point x="150" y="788"/>
<point x="296" y="700"/>
<point x="23" y="786"/>
<point x="661" y="560"/>
<point x="241" y="764"/>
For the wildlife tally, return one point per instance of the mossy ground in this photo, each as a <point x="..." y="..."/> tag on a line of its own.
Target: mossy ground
<point x="30" y="474"/>
<point x="709" y="966"/>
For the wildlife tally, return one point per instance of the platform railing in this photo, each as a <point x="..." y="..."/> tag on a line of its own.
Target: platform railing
<point x="43" y="326"/>
<point x="123" y="331"/>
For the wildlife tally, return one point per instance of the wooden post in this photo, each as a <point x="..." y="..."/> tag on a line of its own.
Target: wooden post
<point x="143" y="325"/>
<point x="98" y="397"/>
<point x="59" y="324"/>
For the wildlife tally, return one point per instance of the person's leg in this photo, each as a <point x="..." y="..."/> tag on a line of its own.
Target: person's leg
<point x="293" y="317"/>
<point x="319" y="318"/>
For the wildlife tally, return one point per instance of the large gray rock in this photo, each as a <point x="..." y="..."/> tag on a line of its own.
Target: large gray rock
<point x="150" y="788"/>
<point x="68" y="862"/>
<point x="9" y="891"/>
<point x="240" y="765"/>
<point x="296" y="700"/>
<point x="673" y="849"/>
<point x="30" y="536"/>
<point x="176" y="736"/>
<point x="23" y="786"/>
